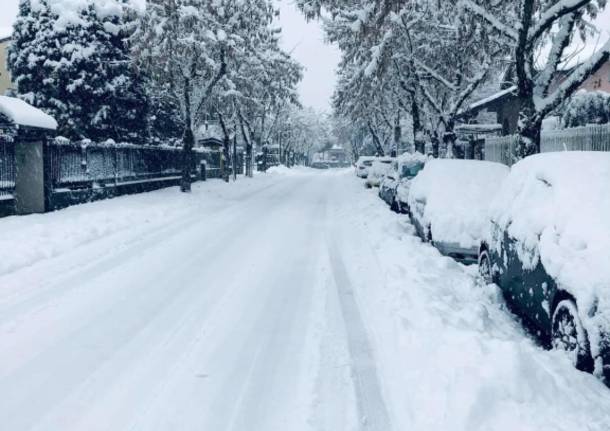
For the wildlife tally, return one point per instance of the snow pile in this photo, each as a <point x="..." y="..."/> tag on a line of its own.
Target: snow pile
<point x="449" y="355"/>
<point x="286" y="171"/>
<point x="23" y="114"/>
<point x="557" y="205"/>
<point x="456" y="194"/>
<point x="30" y="239"/>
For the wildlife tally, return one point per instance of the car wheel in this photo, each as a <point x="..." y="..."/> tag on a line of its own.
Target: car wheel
<point x="394" y="207"/>
<point x="485" y="267"/>
<point x="569" y="335"/>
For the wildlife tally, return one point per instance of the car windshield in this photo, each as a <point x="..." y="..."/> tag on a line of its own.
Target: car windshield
<point x="368" y="163"/>
<point x="411" y="171"/>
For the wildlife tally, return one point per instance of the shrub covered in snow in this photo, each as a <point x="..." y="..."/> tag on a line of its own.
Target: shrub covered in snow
<point x="587" y="108"/>
<point x="452" y="197"/>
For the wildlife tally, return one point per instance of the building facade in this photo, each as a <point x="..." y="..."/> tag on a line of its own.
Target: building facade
<point x="5" y="77"/>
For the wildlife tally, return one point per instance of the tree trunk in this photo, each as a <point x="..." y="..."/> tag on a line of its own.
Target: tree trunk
<point x="226" y="145"/>
<point x="529" y="136"/>
<point x="449" y="139"/>
<point x="417" y="141"/>
<point x="377" y="141"/>
<point x="529" y="124"/>
<point x="188" y="140"/>
<point x="397" y="136"/>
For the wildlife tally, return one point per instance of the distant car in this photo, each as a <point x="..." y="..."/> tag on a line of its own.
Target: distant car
<point x="319" y="165"/>
<point x="376" y="172"/>
<point x="362" y="166"/>
<point x="449" y="201"/>
<point x="398" y="180"/>
<point x="409" y="165"/>
<point x="548" y="250"/>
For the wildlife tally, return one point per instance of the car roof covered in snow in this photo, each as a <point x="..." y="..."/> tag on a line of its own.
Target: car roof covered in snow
<point x="409" y="159"/>
<point x="557" y="206"/>
<point x="23" y="114"/>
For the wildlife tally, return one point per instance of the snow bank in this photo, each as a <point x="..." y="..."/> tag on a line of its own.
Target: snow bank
<point x="295" y="170"/>
<point x="27" y="240"/>
<point x="23" y="114"/>
<point x="456" y="195"/>
<point x="557" y="205"/>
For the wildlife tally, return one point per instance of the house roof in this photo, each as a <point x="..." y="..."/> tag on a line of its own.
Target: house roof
<point x="480" y="104"/>
<point x="25" y="115"/>
<point x="5" y="33"/>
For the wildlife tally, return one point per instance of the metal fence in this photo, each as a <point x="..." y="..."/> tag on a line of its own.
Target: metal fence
<point x="7" y="167"/>
<point x="85" y="164"/>
<point x="588" y="138"/>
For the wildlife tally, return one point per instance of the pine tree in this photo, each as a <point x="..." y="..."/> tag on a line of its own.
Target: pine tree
<point x="76" y="67"/>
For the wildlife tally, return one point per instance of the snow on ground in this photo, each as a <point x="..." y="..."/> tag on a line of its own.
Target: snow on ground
<point x="286" y="302"/>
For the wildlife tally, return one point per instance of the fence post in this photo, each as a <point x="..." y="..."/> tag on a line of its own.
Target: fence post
<point x="32" y="186"/>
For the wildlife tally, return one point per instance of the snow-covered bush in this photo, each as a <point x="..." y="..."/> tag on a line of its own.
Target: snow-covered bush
<point x="587" y="107"/>
<point x="70" y="58"/>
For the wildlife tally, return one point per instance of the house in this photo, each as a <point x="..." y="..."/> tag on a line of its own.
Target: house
<point x="210" y="136"/>
<point x="5" y="77"/>
<point x="505" y="104"/>
<point x="336" y="156"/>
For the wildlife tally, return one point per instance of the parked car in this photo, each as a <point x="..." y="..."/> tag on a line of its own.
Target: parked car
<point x="381" y="166"/>
<point x="449" y="202"/>
<point x="362" y="166"/>
<point x="387" y="186"/>
<point x="409" y="166"/>
<point x="398" y="180"/>
<point x="548" y="249"/>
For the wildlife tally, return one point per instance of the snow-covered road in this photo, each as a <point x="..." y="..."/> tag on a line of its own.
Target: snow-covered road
<point x="287" y="302"/>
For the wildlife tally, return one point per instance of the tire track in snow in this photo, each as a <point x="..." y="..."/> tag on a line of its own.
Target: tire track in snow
<point x="371" y="406"/>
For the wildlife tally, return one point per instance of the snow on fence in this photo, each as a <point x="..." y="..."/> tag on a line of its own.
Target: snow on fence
<point x="85" y="164"/>
<point x="7" y="167"/>
<point x="588" y="138"/>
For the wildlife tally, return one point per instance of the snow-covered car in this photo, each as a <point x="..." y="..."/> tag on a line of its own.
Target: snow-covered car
<point x="449" y="203"/>
<point x="381" y="166"/>
<point x="409" y="165"/>
<point x="387" y="187"/>
<point x="362" y="166"/>
<point x="548" y="249"/>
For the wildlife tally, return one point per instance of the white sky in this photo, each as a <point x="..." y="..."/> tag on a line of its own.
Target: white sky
<point x="306" y="41"/>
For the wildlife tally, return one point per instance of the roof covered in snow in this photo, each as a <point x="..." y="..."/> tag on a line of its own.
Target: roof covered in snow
<point x="5" y="33"/>
<point x="25" y="115"/>
<point x="500" y="94"/>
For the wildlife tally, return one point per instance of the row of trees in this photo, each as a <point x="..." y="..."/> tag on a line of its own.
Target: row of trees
<point x="427" y="59"/>
<point x="106" y="69"/>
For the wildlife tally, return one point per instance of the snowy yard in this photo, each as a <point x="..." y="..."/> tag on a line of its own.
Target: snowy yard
<point x="295" y="301"/>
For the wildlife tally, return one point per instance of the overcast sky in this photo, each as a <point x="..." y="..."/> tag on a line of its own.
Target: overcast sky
<point x="306" y="42"/>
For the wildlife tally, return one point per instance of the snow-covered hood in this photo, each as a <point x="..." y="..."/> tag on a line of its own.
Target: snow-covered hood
<point x="456" y="195"/>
